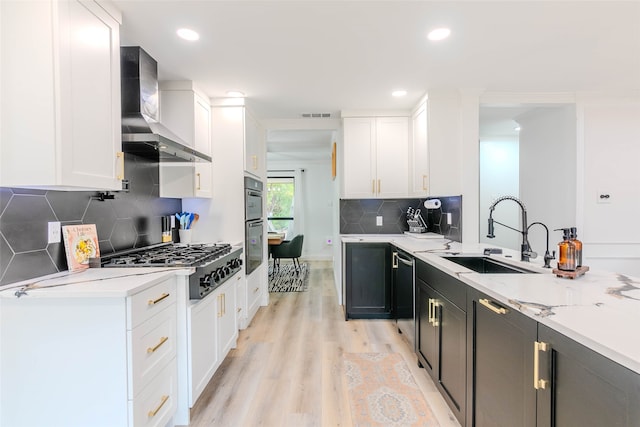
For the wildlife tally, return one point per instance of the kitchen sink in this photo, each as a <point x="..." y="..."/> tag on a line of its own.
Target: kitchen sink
<point x="485" y="264"/>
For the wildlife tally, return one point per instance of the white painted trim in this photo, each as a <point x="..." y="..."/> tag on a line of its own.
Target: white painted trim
<point x="528" y="98"/>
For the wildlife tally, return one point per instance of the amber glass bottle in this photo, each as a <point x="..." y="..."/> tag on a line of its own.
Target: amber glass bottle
<point x="578" y="244"/>
<point x="566" y="252"/>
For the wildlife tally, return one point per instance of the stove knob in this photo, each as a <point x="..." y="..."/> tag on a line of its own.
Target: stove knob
<point x="234" y="263"/>
<point x="227" y="270"/>
<point x="216" y="276"/>
<point x="221" y="272"/>
<point x="205" y="281"/>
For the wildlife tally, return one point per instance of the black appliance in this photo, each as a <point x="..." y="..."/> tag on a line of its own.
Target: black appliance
<point x="404" y="294"/>
<point x="213" y="263"/>
<point x="254" y="224"/>
<point x="142" y="134"/>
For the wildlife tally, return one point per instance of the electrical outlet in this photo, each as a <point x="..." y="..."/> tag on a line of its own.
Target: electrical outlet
<point x="54" y="232"/>
<point x="449" y="218"/>
<point x="379" y="221"/>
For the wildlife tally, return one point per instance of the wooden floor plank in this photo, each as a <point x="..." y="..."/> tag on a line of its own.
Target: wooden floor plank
<point x="287" y="369"/>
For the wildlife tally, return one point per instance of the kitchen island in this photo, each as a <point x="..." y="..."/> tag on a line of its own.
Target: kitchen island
<point x="600" y="310"/>
<point x="526" y="349"/>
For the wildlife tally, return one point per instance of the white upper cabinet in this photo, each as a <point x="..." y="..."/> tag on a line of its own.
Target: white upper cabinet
<point x="419" y="153"/>
<point x="376" y="153"/>
<point x="187" y="113"/>
<point x="254" y="160"/>
<point x="60" y="100"/>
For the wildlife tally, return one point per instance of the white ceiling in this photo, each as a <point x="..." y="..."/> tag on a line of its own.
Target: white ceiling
<point x="294" y="57"/>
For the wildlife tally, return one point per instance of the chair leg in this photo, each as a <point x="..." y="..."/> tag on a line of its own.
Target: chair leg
<point x="298" y="266"/>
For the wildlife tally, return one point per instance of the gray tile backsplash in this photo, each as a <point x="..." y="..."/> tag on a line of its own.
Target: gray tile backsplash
<point x="358" y="216"/>
<point x="129" y="220"/>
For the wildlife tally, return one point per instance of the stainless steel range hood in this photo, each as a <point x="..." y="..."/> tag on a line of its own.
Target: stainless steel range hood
<point x="142" y="134"/>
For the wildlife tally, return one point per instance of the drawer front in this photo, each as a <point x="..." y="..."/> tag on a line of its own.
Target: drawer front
<point x="147" y="303"/>
<point x="157" y="402"/>
<point x="152" y="345"/>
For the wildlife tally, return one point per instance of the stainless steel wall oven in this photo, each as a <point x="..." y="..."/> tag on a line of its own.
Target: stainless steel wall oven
<point x="254" y="224"/>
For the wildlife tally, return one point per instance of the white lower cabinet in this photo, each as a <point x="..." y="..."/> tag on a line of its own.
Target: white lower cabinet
<point x="213" y="331"/>
<point x="89" y="361"/>
<point x="255" y="285"/>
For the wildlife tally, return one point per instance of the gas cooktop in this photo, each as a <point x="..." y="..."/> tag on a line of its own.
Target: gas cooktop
<point x="213" y="263"/>
<point x="168" y="255"/>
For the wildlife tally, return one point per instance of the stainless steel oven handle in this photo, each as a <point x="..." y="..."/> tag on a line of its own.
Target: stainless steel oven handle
<point x="408" y="262"/>
<point x="254" y="224"/>
<point x="254" y="193"/>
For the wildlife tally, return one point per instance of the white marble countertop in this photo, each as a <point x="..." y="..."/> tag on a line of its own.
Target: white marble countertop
<point x="91" y="283"/>
<point x="600" y="310"/>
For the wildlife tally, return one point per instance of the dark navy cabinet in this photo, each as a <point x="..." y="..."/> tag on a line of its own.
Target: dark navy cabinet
<point x="368" y="281"/>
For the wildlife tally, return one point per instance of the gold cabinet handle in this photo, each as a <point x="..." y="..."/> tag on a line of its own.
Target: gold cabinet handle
<point x="162" y="402"/>
<point x="255" y="162"/>
<point x="539" y="384"/>
<point x="424" y="182"/>
<point x="162" y="341"/>
<point x="219" y="297"/>
<point x="155" y="301"/>
<point x="255" y="290"/>
<point x="373" y="186"/>
<point x="394" y="260"/>
<point x="239" y="309"/>
<point x="378" y="186"/>
<point x="436" y="304"/>
<point x="199" y="181"/>
<point x="120" y="157"/>
<point x="492" y="307"/>
<point x="431" y="318"/>
<point x="224" y="304"/>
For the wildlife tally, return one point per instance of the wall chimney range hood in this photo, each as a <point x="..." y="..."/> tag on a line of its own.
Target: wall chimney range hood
<point x="142" y="134"/>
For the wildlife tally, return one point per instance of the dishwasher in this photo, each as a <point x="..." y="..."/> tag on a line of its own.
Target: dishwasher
<point x="404" y="295"/>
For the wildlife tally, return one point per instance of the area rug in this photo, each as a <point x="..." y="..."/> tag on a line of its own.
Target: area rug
<point x="382" y="392"/>
<point x="286" y="279"/>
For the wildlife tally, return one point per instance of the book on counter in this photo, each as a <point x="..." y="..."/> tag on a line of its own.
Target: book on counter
<point x="80" y="244"/>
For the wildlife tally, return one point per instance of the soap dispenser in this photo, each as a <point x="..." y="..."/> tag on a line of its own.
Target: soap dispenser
<point x="578" y="245"/>
<point x="566" y="252"/>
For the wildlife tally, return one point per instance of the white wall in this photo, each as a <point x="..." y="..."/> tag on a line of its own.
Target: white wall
<point x="605" y="161"/>
<point x="548" y="171"/>
<point x="499" y="176"/>
<point x="611" y="165"/>
<point x="314" y="212"/>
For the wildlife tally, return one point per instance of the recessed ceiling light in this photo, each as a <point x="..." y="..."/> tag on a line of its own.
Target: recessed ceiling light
<point x="188" y="34"/>
<point x="399" y="93"/>
<point x="439" y="34"/>
<point x="235" y="94"/>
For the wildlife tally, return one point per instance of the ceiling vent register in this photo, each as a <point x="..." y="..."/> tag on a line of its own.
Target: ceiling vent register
<point x="316" y="115"/>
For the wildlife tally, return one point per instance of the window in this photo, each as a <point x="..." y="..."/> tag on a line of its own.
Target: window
<point x="280" y="205"/>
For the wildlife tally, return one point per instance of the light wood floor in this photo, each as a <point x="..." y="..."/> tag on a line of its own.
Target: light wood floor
<point x="287" y="367"/>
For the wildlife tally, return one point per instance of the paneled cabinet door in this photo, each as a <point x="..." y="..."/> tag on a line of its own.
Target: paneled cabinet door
<point x="255" y="152"/>
<point x="501" y="342"/>
<point x="226" y="318"/>
<point x="368" y="280"/>
<point x="359" y="158"/>
<point x="61" y="89"/>
<point x="419" y="154"/>
<point x="376" y="152"/>
<point x="392" y="156"/>
<point x="442" y="345"/>
<point x="203" y="345"/>
<point x="579" y="387"/>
